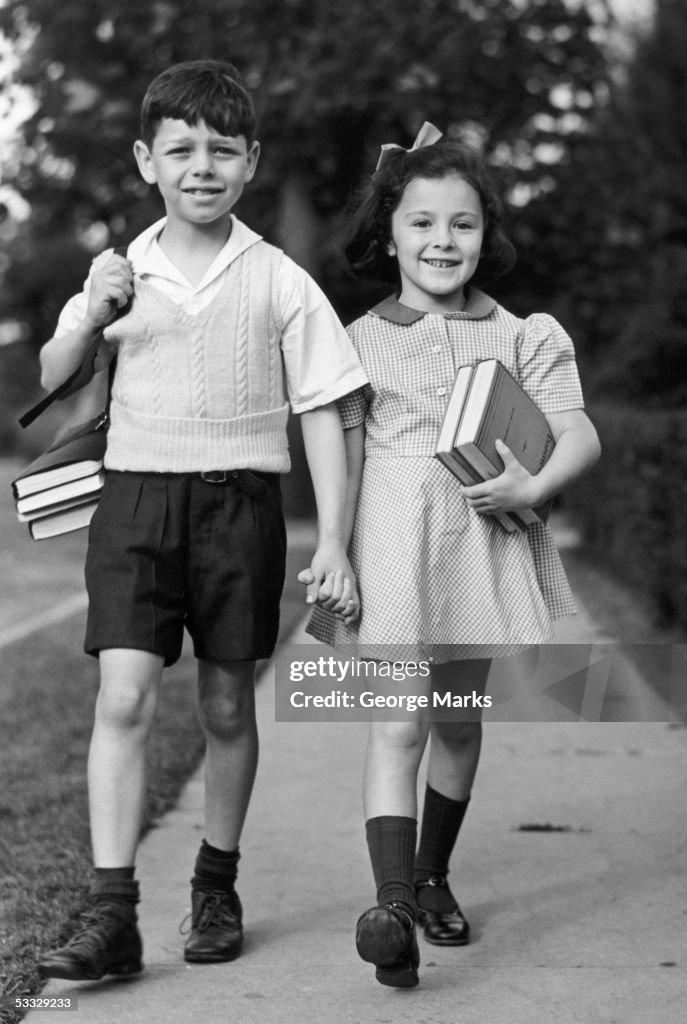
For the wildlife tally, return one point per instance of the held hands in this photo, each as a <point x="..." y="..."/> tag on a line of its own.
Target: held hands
<point x="330" y="582"/>
<point x="514" y="488"/>
<point x="111" y="288"/>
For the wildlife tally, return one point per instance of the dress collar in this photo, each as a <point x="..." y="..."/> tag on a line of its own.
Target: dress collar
<point x="477" y="307"/>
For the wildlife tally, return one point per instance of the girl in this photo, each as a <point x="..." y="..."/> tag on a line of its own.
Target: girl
<point x="439" y="579"/>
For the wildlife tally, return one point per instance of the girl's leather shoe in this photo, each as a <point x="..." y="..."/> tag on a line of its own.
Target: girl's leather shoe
<point x="442" y="927"/>
<point x="385" y="936"/>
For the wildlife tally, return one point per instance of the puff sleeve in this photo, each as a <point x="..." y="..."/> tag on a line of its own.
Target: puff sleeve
<point x="546" y="365"/>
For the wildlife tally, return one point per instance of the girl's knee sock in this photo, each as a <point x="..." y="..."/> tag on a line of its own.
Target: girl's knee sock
<point x="215" y="869"/>
<point x="441" y="821"/>
<point x="391" y="841"/>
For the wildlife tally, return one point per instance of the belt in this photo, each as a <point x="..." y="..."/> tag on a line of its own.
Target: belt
<point x="219" y="476"/>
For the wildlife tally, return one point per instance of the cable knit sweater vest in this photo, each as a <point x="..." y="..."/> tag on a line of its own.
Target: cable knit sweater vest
<point x="205" y="391"/>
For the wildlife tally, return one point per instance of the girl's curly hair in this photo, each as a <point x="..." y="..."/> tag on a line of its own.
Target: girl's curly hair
<point x="369" y="231"/>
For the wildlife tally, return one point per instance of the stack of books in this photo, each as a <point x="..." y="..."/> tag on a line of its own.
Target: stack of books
<point x="59" y="491"/>
<point x="487" y="404"/>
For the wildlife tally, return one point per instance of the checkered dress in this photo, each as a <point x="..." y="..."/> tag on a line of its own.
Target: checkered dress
<point x="438" y="581"/>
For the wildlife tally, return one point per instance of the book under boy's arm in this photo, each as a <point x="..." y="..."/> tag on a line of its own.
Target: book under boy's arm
<point x="577" y="449"/>
<point x="73" y="518"/>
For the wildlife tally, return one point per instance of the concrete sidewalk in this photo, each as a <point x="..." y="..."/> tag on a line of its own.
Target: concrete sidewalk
<point x="585" y="922"/>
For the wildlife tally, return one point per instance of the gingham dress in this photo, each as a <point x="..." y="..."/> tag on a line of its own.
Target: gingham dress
<point x="438" y="581"/>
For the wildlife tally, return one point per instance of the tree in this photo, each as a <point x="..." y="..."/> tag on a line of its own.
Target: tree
<point x="635" y="285"/>
<point x="331" y="81"/>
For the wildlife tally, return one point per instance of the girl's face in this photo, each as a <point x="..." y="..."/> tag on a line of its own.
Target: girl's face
<point x="436" y="236"/>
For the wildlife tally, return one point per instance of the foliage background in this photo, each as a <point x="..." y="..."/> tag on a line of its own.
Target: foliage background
<point x="584" y="121"/>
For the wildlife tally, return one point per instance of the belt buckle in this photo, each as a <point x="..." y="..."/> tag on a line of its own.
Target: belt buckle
<point x="215" y="476"/>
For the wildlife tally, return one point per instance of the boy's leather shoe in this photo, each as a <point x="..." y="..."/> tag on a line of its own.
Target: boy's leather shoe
<point x="108" y="942"/>
<point x="442" y="927"/>
<point x="216" y="927"/>
<point x="385" y="936"/>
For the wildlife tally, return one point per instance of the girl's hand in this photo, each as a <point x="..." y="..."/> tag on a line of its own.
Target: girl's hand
<point x="336" y="593"/>
<point x="111" y="288"/>
<point x="577" y="449"/>
<point x="514" y="488"/>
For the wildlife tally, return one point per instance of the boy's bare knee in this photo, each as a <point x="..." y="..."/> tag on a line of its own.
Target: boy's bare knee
<point x="224" y="716"/>
<point x="125" y="706"/>
<point x="226" y="699"/>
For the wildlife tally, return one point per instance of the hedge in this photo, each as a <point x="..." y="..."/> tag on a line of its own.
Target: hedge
<point x="632" y="506"/>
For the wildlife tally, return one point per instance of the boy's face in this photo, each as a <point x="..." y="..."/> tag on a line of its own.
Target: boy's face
<point x="200" y="174"/>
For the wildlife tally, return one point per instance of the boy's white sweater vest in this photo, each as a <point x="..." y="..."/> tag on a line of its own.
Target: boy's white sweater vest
<point x="199" y="392"/>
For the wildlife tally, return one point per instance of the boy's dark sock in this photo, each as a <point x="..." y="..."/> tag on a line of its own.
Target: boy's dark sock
<point x="215" y="869"/>
<point x="442" y="818"/>
<point x="391" y="841"/>
<point x="216" y="913"/>
<point x="116" y="885"/>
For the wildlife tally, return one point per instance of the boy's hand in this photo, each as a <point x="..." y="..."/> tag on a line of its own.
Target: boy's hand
<point x="330" y="582"/>
<point x="514" y="488"/>
<point x="111" y="288"/>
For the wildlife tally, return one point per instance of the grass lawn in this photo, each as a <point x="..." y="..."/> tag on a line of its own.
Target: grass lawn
<point x="46" y="725"/>
<point x="47" y="695"/>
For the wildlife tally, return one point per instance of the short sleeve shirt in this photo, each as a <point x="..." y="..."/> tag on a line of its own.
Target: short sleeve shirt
<point x="319" y="360"/>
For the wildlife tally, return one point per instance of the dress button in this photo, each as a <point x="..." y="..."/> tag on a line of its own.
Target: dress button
<point x="436" y="349"/>
<point x="441" y="391"/>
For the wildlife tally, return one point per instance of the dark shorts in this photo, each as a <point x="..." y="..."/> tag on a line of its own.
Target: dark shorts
<point x="168" y="551"/>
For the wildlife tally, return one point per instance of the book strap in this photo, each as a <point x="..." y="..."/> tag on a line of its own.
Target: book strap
<point x="35" y="411"/>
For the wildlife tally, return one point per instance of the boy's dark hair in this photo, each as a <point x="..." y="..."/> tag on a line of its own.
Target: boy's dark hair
<point x="369" y="231"/>
<point x="199" y="90"/>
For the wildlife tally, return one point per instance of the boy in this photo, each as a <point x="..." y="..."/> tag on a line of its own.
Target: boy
<point x="189" y="529"/>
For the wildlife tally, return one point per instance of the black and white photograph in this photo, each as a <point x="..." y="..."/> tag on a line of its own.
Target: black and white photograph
<point x="343" y="452"/>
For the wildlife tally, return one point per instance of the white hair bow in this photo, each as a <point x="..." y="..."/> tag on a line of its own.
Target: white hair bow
<point x="427" y="136"/>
